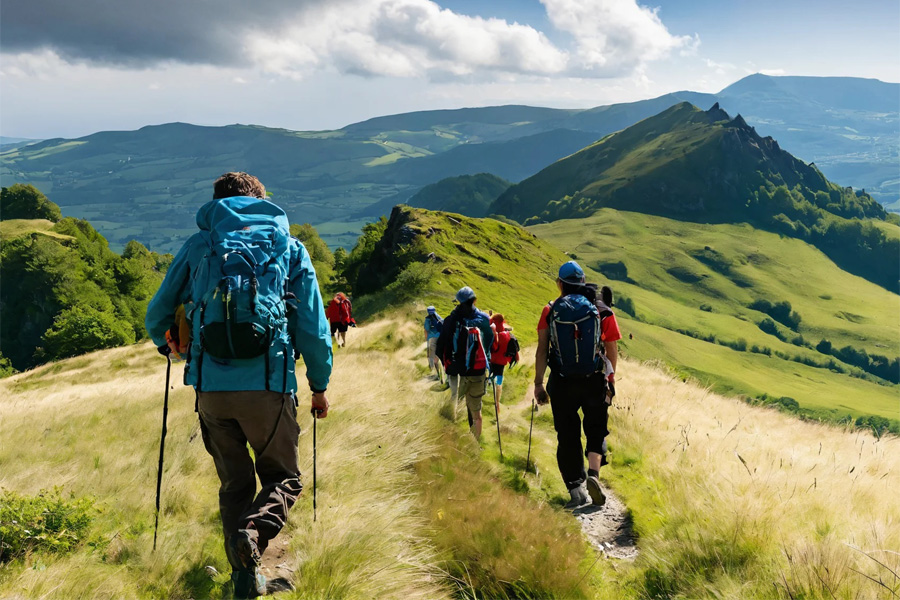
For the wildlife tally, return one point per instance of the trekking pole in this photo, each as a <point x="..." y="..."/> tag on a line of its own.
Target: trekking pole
<point x="315" y="413"/>
<point x="497" y="412"/>
<point x="530" y="429"/>
<point x="162" y="447"/>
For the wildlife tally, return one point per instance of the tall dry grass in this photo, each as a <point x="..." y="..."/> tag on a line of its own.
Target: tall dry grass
<point x="91" y="425"/>
<point x="729" y="500"/>
<point x="738" y="501"/>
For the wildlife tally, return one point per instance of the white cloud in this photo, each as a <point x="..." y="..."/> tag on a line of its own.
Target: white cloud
<point x="403" y="38"/>
<point x="773" y="72"/>
<point x="613" y="37"/>
<point x="414" y="38"/>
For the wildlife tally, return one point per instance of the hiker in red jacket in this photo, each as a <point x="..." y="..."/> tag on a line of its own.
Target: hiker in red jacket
<point x="504" y="351"/>
<point x="340" y="315"/>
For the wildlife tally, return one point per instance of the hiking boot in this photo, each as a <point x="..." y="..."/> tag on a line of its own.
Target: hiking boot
<point x="279" y="584"/>
<point x="248" y="584"/>
<point x="248" y="581"/>
<point x="579" y="497"/>
<point x="244" y="549"/>
<point x="593" y="488"/>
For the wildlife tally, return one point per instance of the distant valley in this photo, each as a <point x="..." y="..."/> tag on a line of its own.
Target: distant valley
<point x="147" y="184"/>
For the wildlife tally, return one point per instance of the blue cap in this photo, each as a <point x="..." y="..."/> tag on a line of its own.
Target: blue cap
<point x="465" y="294"/>
<point x="571" y="272"/>
<point x="430" y="309"/>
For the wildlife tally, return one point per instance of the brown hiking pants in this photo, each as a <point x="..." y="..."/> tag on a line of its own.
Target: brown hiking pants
<point x="268" y="422"/>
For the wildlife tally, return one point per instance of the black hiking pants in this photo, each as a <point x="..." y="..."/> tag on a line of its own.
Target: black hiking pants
<point x="567" y="396"/>
<point x="267" y="421"/>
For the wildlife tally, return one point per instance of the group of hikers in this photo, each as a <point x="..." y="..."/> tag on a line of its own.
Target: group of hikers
<point x="245" y="295"/>
<point x="577" y="339"/>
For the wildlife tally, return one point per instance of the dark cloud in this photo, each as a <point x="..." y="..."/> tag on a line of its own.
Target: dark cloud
<point x="139" y="33"/>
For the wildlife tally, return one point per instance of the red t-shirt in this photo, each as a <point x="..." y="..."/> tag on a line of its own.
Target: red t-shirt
<point x="609" y="328"/>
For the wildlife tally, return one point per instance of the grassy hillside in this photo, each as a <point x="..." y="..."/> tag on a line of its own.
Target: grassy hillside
<point x="705" y="167"/>
<point x="420" y="254"/>
<point x="728" y="501"/>
<point x="689" y="282"/>
<point x="689" y="293"/>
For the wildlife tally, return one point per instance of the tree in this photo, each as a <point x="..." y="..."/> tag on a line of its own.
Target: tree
<point x="84" y="329"/>
<point x="319" y="253"/>
<point x="21" y="201"/>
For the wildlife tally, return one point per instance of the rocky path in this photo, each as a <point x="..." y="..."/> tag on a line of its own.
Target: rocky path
<point x="609" y="527"/>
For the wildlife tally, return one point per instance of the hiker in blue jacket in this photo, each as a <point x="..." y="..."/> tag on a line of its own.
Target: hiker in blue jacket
<point x="246" y="379"/>
<point x="464" y="346"/>
<point x="433" y="326"/>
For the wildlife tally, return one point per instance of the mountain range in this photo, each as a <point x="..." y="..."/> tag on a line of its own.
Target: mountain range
<point x="147" y="184"/>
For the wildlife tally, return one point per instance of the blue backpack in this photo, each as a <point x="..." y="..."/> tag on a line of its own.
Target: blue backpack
<point x="435" y="324"/>
<point x="239" y="289"/>
<point x="575" y="348"/>
<point x="469" y="352"/>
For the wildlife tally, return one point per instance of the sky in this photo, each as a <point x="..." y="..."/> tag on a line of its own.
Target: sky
<point x="68" y="69"/>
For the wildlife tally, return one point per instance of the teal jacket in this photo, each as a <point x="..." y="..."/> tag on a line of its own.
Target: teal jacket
<point x="307" y="332"/>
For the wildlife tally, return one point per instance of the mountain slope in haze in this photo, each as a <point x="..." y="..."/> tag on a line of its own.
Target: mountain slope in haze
<point x="470" y="195"/>
<point x="147" y="184"/>
<point x="848" y="126"/>
<point x="704" y="166"/>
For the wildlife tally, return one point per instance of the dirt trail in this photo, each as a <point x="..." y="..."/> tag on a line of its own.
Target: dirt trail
<point x="609" y="527"/>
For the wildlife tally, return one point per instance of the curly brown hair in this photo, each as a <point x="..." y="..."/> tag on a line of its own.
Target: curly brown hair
<point x="238" y="184"/>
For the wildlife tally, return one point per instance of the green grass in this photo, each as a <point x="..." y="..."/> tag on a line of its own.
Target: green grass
<point x="676" y="267"/>
<point x="12" y="228"/>
<point x="510" y="270"/>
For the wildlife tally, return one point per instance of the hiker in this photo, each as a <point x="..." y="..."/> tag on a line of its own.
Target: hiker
<point x="433" y="325"/>
<point x="464" y="346"/>
<point x="577" y="336"/>
<point x="340" y="316"/>
<point x="254" y="305"/>
<point x="504" y="351"/>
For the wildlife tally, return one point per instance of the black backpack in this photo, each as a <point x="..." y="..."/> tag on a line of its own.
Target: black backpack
<point x="512" y="349"/>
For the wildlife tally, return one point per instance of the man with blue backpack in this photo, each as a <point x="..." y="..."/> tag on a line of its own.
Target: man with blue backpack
<point x="464" y="346"/>
<point x="253" y="304"/>
<point x="433" y="326"/>
<point x="577" y="336"/>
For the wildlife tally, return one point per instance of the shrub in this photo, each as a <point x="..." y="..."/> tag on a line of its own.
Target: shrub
<point x="616" y="271"/>
<point x="84" y="329"/>
<point x="43" y="523"/>
<point x="626" y="305"/>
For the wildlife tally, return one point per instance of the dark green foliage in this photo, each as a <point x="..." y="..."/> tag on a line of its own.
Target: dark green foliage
<point x="72" y="294"/>
<point x="780" y="311"/>
<point x="6" y="368"/>
<point x="469" y="195"/>
<point x="878" y="425"/>
<point x="43" y="523"/>
<point x="26" y="202"/>
<point x="83" y="329"/>
<point x="322" y="258"/>
<point x="626" y="305"/>
<point x="768" y="326"/>
<point x="358" y="280"/>
<point x="876" y="364"/>
<point x="617" y="271"/>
